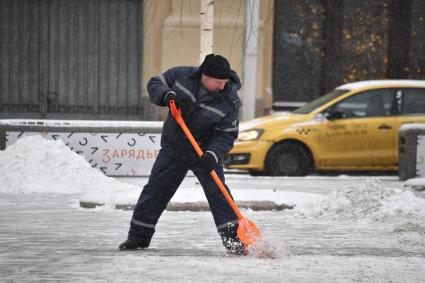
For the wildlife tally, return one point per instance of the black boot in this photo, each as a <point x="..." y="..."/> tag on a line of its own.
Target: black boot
<point x="131" y="244"/>
<point x="235" y="247"/>
<point x="231" y="240"/>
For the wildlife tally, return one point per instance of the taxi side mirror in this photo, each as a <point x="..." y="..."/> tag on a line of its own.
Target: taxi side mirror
<point x="332" y="114"/>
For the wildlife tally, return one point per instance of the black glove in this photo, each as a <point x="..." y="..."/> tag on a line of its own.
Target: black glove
<point x="171" y="95"/>
<point x="207" y="162"/>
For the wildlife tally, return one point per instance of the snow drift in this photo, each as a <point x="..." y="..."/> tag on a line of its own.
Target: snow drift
<point x="366" y="201"/>
<point x="37" y="165"/>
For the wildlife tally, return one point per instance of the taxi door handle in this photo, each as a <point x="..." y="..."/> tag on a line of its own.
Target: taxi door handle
<point x="384" y="127"/>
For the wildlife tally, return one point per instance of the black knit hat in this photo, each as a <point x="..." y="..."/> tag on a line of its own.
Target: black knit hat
<point x="215" y="66"/>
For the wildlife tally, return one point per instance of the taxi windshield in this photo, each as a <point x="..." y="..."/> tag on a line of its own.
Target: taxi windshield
<point x="309" y="107"/>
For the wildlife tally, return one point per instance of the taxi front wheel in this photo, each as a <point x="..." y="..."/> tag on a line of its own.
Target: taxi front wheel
<point x="288" y="159"/>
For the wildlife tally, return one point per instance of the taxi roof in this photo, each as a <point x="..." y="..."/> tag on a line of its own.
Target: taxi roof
<point x="382" y="83"/>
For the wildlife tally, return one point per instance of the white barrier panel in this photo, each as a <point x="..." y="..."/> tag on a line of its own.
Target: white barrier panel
<point x="116" y="154"/>
<point x="420" y="157"/>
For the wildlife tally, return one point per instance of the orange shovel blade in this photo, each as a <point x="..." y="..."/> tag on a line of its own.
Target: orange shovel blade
<point x="250" y="236"/>
<point x="247" y="232"/>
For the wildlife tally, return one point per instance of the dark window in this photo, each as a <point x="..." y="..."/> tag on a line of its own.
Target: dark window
<point x="373" y="103"/>
<point x="413" y="101"/>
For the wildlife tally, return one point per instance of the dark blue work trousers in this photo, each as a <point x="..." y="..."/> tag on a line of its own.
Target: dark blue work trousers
<point x="166" y="176"/>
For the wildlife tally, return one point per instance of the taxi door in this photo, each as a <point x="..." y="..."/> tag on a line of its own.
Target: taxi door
<point x="411" y="108"/>
<point x="358" y="132"/>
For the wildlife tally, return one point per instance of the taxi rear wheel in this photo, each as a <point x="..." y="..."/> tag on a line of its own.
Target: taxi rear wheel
<point x="288" y="159"/>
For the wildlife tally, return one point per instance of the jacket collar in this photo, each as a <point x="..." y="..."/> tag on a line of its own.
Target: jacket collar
<point x="196" y="74"/>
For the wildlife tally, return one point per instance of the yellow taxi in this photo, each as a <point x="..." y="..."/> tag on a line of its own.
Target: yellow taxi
<point x="352" y="128"/>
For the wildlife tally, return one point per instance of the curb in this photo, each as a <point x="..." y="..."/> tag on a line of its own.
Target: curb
<point x="199" y="206"/>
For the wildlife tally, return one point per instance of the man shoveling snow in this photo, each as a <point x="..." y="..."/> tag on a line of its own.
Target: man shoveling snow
<point x="208" y="101"/>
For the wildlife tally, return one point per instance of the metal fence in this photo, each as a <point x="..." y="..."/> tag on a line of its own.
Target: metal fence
<point x="79" y="59"/>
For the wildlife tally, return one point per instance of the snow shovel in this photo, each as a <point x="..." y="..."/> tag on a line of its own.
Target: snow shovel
<point x="247" y="232"/>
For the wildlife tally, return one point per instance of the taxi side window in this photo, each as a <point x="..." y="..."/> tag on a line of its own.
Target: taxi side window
<point x="374" y="103"/>
<point x="413" y="101"/>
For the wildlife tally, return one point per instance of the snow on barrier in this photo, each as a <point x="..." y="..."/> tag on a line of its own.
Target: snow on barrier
<point x="412" y="151"/>
<point x="117" y="148"/>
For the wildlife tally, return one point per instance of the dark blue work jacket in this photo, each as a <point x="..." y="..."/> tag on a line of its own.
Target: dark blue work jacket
<point x="212" y="118"/>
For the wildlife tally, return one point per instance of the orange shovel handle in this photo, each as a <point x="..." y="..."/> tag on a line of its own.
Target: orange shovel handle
<point x="177" y="115"/>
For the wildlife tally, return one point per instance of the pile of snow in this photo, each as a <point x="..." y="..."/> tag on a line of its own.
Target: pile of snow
<point x="367" y="201"/>
<point x="417" y="184"/>
<point x="36" y="165"/>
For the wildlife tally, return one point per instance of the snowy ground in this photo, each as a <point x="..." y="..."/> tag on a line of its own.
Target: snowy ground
<point x="342" y="229"/>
